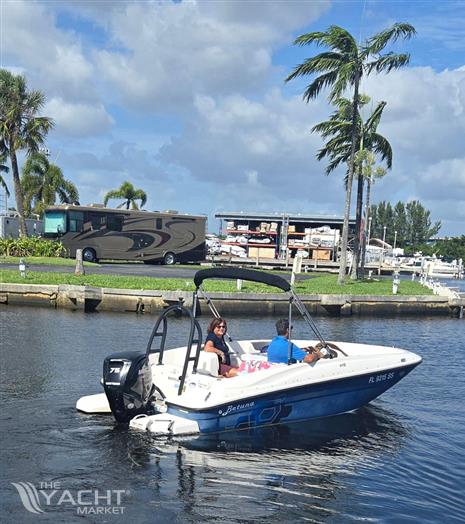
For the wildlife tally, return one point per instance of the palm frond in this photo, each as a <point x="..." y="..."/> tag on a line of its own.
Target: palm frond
<point x="387" y="63"/>
<point x="116" y="193"/>
<point x="142" y="196"/>
<point x="36" y="163"/>
<point x="318" y="84"/>
<point x="383" y="148"/>
<point x="340" y="39"/>
<point x="378" y="42"/>
<point x="373" y="120"/>
<point x="345" y="77"/>
<point x="5" y="187"/>
<point x="310" y="38"/>
<point x="316" y="64"/>
<point x="333" y="164"/>
<point x="331" y="127"/>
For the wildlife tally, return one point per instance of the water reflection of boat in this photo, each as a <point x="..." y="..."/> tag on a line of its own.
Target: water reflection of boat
<point x="285" y="473"/>
<point x="176" y="391"/>
<point x="340" y="431"/>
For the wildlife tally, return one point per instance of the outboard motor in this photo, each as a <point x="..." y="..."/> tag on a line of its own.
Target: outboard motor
<point x="127" y="380"/>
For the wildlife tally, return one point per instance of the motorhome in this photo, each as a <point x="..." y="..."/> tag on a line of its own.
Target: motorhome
<point x="120" y="234"/>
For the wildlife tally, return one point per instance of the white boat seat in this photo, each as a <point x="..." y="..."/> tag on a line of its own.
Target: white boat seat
<point x="208" y="364"/>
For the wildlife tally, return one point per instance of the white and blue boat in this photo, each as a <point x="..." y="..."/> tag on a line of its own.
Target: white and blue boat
<point x="176" y="391"/>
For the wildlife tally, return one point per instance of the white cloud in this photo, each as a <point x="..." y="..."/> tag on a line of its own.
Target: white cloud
<point x="445" y="180"/>
<point x="424" y="121"/>
<point x="172" y="52"/>
<point x="265" y="146"/>
<point x="78" y="119"/>
<point x="194" y="82"/>
<point x="51" y="59"/>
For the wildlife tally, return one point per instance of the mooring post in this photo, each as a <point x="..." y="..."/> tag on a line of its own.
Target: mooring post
<point x="79" y="271"/>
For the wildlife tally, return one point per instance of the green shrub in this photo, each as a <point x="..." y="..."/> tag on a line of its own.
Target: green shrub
<point x="31" y="247"/>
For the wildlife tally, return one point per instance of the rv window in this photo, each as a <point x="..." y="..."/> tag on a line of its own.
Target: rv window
<point x="55" y="222"/>
<point x="158" y="223"/>
<point x="97" y="221"/>
<point x="114" y="223"/>
<point x="76" y="221"/>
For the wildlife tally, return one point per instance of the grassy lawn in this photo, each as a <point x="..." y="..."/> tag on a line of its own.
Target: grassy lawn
<point x="58" y="261"/>
<point x="320" y="284"/>
<point x="49" y="261"/>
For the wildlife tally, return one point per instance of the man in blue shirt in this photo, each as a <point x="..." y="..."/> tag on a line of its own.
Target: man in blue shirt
<point x="278" y="350"/>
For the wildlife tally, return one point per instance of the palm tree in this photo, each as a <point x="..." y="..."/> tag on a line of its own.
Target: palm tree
<point x="344" y="66"/>
<point x="3" y="169"/>
<point x="366" y="161"/>
<point x="42" y="183"/>
<point x="127" y="192"/>
<point x="338" y="149"/>
<point x="20" y="128"/>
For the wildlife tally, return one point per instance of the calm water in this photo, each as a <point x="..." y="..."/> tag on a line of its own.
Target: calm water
<point x="402" y="459"/>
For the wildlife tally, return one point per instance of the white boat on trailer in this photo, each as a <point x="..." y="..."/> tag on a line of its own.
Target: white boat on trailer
<point x="178" y="391"/>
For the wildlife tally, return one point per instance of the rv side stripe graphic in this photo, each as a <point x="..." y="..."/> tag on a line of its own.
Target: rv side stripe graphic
<point x="29" y="496"/>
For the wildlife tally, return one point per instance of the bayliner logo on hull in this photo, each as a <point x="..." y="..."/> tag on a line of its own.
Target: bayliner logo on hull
<point x="232" y="408"/>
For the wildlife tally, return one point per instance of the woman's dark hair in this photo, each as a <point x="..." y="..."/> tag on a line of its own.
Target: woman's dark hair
<point x="216" y="322"/>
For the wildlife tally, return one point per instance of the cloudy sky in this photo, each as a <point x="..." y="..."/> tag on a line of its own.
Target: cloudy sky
<point x="187" y="100"/>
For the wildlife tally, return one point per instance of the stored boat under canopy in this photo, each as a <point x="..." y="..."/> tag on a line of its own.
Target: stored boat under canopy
<point x="170" y="391"/>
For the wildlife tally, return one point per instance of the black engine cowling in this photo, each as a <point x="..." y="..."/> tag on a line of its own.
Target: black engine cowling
<point x="127" y="380"/>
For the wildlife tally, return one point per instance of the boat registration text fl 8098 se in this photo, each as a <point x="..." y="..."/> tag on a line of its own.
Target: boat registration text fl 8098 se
<point x="175" y="391"/>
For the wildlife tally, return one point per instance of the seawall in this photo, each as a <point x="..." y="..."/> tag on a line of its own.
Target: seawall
<point x="88" y="299"/>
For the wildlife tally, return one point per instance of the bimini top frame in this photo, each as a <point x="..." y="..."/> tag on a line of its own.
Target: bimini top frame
<point x="242" y="274"/>
<point x="253" y="276"/>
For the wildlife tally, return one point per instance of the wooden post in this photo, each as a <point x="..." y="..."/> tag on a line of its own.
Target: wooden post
<point x="79" y="271"/>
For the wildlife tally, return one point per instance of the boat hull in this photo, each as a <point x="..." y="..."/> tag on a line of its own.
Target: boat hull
<point x="296" y="404"/>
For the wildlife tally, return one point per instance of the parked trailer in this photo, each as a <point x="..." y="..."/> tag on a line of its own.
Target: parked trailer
<point x="9" y="227"/>
<point x="119" y="234"/>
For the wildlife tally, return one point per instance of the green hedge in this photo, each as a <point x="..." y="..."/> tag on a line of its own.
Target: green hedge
<point x="31" y="247"/>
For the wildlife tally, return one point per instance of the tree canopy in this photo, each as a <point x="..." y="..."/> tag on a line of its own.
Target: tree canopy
<point x="129" y="194"/>
<point x="411" y="221"/>
<point x="338" y="131"/>
<point x="20" y="127"/>
<point x="42" y="183"/>
<point x="342" y="66"/>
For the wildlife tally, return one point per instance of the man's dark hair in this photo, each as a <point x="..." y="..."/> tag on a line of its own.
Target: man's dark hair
<point x="282" y="325"/>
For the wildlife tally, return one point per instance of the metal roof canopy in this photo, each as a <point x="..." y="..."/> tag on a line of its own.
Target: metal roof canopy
<point x="97" y="208"/>
<point x="296" y="217"/>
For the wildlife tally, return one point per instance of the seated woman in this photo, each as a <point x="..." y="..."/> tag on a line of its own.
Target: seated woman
<point x="215" y="343"/>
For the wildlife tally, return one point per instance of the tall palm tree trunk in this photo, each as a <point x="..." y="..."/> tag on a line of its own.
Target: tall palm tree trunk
<point x="367" y="221"/>
<point x="358" y="228"/>
<point x="18" y="193"/>
<point x="350" y="177"/>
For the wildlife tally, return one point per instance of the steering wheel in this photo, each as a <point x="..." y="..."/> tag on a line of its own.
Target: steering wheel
<point x="331" y="347"/>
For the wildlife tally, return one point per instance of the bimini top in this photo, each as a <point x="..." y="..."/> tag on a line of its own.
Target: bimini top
<point x="243" y="274"/>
